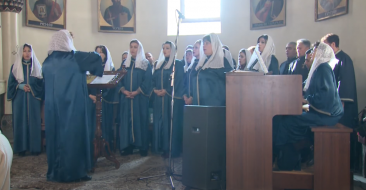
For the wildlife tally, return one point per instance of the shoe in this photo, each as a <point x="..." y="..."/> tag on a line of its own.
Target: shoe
<point x="22" y="154"/>
<point x="166" y="155"/>
<point x="143" y="153"/>
<point x="85" y="178"/>
<point x="127" y="151"/>
<point x="35" y="153"/>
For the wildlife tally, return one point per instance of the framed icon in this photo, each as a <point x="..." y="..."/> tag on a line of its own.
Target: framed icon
<point x="117" y="16"/>
<point x="267" y="14"/>
<point x="47" y="14"/>
<point x="326" y="9"/>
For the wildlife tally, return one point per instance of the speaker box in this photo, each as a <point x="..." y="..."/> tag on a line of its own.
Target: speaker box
<point x="204" y="147"/>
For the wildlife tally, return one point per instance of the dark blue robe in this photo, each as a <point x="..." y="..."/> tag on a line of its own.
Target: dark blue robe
<point x="209" y="85"/>
<point x="66" y="116"/>
<point x="298" y="67"/>
<point x="346" y="81"/>
<point x="92" y="120"/>
<point x="188" y="79"/>
<point x="285" y="66"/>
<point x="325" y="110"/>
<point x="273" y="66"/>
<point x="162" y="107"/>
<point x="26" y="108"/>
<point x="134" y="113"/>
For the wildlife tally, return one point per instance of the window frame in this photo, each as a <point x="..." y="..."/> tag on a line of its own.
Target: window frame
<point x="183" y="10"/>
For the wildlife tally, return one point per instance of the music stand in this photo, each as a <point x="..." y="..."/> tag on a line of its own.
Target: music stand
<point x="101" y="146"/>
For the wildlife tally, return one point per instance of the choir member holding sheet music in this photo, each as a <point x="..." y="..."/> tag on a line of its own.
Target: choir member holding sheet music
<point x="109" y="97"/>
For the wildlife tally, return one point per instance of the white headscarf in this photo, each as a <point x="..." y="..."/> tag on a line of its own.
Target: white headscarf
<point x="162" y="57"/>
<point x="186" y="66"/>
<point x="248" y="55"/>
<point x="324" y="54"/>
<point x="266" y="55"/>
<point x="217" y="58"/>
<point x="36" y="70"/>
<point x="140" y="62"/>
<point x="61" y="41"/>
<point x="109" y="66"/>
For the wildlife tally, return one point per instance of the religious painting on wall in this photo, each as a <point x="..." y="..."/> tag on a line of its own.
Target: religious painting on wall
<point x="117" y="16"/>
<point x="48" y="14"/>
<point x="325" y="9"/>
<point x="267" y="14"/>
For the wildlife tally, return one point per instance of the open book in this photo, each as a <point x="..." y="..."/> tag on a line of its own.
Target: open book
<point x="105" y="79"/>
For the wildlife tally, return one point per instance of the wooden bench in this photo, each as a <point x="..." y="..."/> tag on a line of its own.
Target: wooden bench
<point x="331" y="163"/>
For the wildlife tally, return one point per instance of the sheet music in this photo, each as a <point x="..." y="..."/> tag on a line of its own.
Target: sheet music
<point x="105" y="79"/>
<point x="261" y="62"/>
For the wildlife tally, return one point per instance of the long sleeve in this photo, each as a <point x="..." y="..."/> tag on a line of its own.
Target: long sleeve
<point x="274" y="66"/>
<point x="37" y="88"/>
<point x="347" y="81"/>
<point x="179" y="88"/>
<point x="153" y="81"/>
<point x="145" y="86"/>
<point x="12" y="86"/>
<point x="322" y="89"/>
<point x="90" y="61"/>
<point x="322" y="93"/>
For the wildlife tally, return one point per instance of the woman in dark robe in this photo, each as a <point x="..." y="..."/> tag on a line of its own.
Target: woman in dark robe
<point x="109" y="99"/>
<point x="323" y="107"/>
<point x="243" y="59"/>
<point x="189" y="72"/>
<point x="209" y="79"/>
<point x="161" y="83"/>
<point x="135" y="90"/>
<point x="266" y="50"/>
<point x="25" y="90"/>
<point x="66" y="104"/>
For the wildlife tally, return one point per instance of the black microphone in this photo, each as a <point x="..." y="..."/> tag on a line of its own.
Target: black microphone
<point x="181" y="15"/>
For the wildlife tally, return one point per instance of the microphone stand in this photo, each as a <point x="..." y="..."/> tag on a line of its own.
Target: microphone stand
<point x="170" y="173"/>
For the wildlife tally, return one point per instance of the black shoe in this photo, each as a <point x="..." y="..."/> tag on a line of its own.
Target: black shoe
<point x="85" y="178"/>
<point x="127" y="151"/>
<point x="174" y="155"/>
<point x="143" y="153"/>
<point x="35" y="153"/>
<point x="311" y="158"/>
<point x="22" y="154"/>
<point x="165" y="155"/>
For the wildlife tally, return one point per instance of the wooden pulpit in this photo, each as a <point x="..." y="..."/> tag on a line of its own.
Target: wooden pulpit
<point x="101" y="146"/>
<point x="252" y="100"/>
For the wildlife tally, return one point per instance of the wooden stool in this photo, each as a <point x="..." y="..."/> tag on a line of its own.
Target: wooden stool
<point x="331" y="163"/>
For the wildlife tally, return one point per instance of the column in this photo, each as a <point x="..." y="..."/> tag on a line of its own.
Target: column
<point x="10" y="40"/>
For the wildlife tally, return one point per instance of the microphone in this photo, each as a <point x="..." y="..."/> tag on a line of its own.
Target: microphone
<point x="181" y="15"/>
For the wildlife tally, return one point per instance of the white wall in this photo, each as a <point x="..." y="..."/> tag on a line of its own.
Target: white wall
<point x="152" y="30"/>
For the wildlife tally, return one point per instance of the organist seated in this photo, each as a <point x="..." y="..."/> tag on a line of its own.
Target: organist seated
<point x="324" y="109"/>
